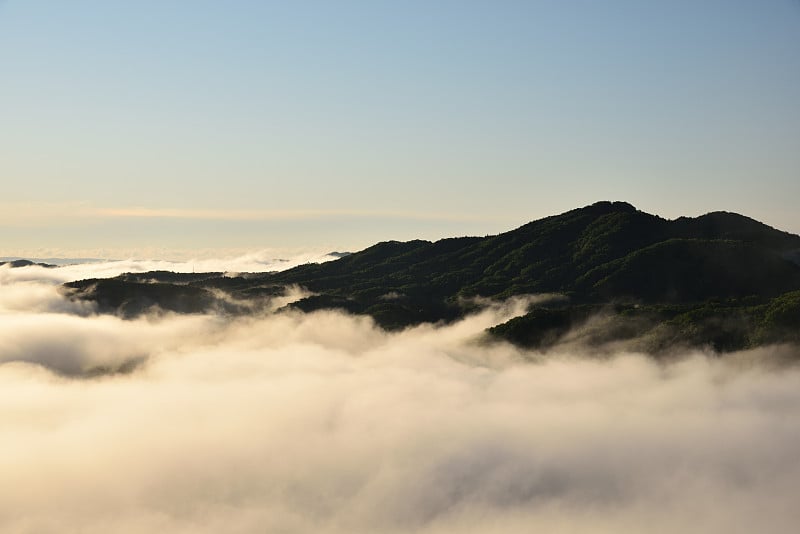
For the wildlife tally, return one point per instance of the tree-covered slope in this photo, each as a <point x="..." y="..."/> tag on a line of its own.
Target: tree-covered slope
<point x="608" y="252"/>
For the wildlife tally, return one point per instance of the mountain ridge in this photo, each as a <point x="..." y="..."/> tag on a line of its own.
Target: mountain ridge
<point x="606" y="253"/>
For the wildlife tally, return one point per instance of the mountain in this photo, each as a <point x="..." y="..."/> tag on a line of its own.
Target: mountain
<point x="609" y="259"/>
<point x="50" y="262"/>
<point x="14" y="264"/>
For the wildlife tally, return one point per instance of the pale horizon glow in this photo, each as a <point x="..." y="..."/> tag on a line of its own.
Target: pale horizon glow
<point x="31" y="213"/>
<point x="257" y="215"/>
<point x="78" y="217"/>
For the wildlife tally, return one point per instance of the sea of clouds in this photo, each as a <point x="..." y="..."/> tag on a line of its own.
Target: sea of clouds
<point x="290" y="422"/>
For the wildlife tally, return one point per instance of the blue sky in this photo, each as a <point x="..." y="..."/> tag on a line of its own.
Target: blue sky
<point x="166" y="124"/>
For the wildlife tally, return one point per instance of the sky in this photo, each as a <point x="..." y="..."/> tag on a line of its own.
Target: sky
<point x="147" y="128"/>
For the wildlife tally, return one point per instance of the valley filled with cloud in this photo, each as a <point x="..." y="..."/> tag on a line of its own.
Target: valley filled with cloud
<point x="322" y="422"/>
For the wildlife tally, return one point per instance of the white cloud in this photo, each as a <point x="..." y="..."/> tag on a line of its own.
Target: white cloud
<point x="322" y="423"/>
<point x="262" y="261"/>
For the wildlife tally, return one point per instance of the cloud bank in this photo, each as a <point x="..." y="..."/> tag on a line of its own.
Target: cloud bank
<point x="262" y="261"/>
<point x="323" y="423"/>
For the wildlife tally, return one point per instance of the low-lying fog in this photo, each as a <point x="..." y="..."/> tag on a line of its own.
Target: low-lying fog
<point x="323" y="423"/>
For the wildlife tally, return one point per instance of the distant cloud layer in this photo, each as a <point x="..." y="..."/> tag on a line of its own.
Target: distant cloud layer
<point x="264" y="261"/>
<point x="323" y="423"/>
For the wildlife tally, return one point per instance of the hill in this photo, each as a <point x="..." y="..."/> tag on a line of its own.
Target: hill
<point x="671" y="277"/>
<point x="15" y="264"/>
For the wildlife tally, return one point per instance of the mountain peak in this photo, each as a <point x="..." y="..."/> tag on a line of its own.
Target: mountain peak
<point x="612" y="206"/>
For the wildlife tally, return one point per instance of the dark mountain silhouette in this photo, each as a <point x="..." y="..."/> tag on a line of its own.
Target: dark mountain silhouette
<point x="720" y="279"/>
<point x="14" y="264"/>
